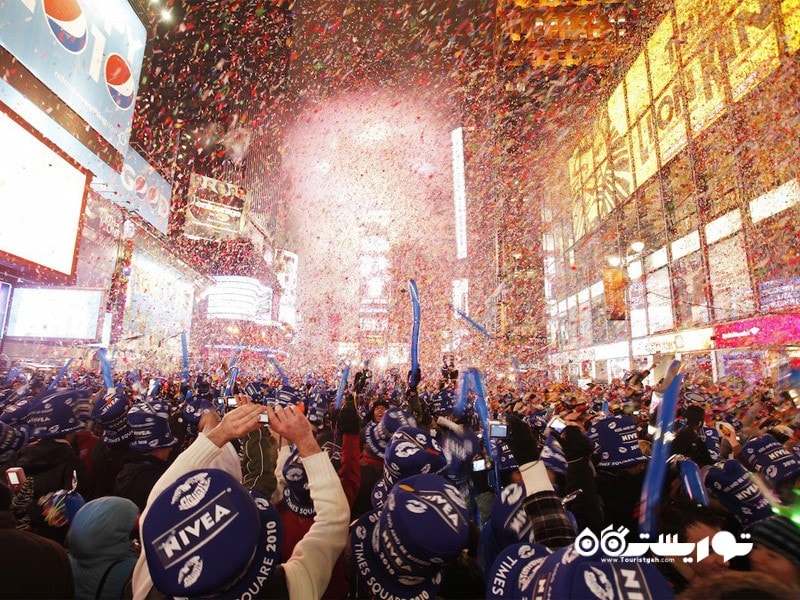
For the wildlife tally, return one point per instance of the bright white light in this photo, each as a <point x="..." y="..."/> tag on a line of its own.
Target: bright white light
<point x="375" y="287"/>
<point x="381" y="362"/>
<point x="637" y="246"/>
<point x="376" y="132"/>
<point x="614" y="261"/>
<point x="166" y="15"/>
<point x="459" y="192"/>
<point x="322" y="167"/>
<point x="461" y="295"/>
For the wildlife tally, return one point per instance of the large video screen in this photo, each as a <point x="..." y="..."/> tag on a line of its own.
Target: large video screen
<point x="41" y="200"/>
<point x="55" y="313"/>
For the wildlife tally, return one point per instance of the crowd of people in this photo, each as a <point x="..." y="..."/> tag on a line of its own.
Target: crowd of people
<point x="231" y="484"/>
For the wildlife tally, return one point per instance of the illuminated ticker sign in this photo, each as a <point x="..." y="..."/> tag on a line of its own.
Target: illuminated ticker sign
<point x="705" y="54"/>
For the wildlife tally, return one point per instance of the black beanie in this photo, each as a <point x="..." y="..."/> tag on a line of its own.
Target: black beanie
<point x="694" y="414"/>
<point x="780" y="535"/>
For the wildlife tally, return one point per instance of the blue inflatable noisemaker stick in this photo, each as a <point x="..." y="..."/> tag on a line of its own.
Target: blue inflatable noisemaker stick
<point x="342" y="383"/>
<point x="59" y="375"/>
<point x="274" y="362"/>
<point x="234" y="373"/>
<point x="185" y="352"/>
<point x="693" y="482"/>
<point x="105" y="368"/>
<point x="413" y="378"/>
<point x="657" y="468"/>
<point x="476" y="325"/>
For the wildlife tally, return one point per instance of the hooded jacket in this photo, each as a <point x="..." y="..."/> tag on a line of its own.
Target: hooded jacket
<point x="51" y="463"/>
<point x="99" y="542"/>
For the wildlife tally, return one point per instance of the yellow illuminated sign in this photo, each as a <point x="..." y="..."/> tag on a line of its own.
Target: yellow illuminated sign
<point x="670" y="121"/>
<point x="638" y="90"/>
<point x="704" y="93"/>
<point x="755" y="46"/>
<point x="622" y="168"/>
<point x="616" y="111"/>
<point x="663" y="56"/>
<point x="695" y="57"/>
<point x="645" y="163"/>
<point x="606" y="194"/>
<point x="600" y="130"/>
<point x="790" y="10"/>
<point x="695" y="21"/>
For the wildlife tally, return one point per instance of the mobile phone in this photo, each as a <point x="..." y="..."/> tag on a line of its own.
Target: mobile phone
<point x="221" y="401"/>
<point x="263" y="418"/>
<point x="498" y="429"/>
<point x="231" y="402"/>
<point x="725" y="429"/>
<point x="15" y="477"/>
<point x="557" y="424"/>
<point x="479" y="464"/>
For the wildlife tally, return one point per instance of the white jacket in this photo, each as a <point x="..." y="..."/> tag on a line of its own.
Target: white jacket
<point x="308" y="570"/>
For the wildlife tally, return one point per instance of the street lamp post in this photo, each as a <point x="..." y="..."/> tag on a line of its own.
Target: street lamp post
<point x="617" y="262"/>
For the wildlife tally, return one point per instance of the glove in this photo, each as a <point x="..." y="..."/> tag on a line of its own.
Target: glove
<point x="523" y="442"/>
<point x="414" y="378"/>
<point x="574" y="444"/>
<point x="360" y="382"/>
<point x="349" y="423"/>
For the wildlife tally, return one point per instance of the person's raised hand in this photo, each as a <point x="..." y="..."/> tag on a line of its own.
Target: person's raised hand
<point x="290" y="423"/>
<point x="237" y="423"/>
<point x="575" y="444"/>
<point x="348" y="420"/>
<point x="208" y="420"/>
<point x="522" y="441"/>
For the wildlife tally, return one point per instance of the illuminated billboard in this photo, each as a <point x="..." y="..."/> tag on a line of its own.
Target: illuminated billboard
<point x="88" y="53"/>
<point x="216" y="210"/>
<point x="55" y="313"/>
<point x="697" y="57"/>
<point x="43" y="195"/>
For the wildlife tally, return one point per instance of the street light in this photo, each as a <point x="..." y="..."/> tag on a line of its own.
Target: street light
<point x="636" y="248"/>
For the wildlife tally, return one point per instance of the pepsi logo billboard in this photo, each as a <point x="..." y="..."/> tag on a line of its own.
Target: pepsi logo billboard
<point x="145" y="190"/>
<point x="67" y="23"/>
<point x="88" y="53"/>
<point x="119" y="81"/>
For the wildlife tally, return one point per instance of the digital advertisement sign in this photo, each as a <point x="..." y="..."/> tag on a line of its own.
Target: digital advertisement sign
<point x="55" y="313"/>
<point x="43" y="195"/>
<point x="88" y="53"/>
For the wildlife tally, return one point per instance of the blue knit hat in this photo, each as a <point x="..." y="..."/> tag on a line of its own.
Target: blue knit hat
<point x="402" y="548"/>
<point x="567" y="574"/>
<point x="207" y="535"/>
<point x="505" y="458"/>
<point x="460" y="450"/>
<point x="511" y="569"/>
<point x="507" y="524"/>
<point x="112" y="414"/>
<point x="286" y="395"/>
<point x="149" y="422"/>
<point x="732" y="484"/>
<point x="296" y="495"/>
<point x="767" y="457"/>
<point x="711" y="437"/>
<point x="410" y="451"/>
<point x="616" y="442"/>
<point x="442" y="402"/>
<point x="13" y="438"/>
<point x="194" y="408"/>
<point x="15" y="413"/>
<point x="377" y="436"/>
<point x="552" y="456"/>
<point x="316" y="409"/>
<point x="55" y="415"/>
